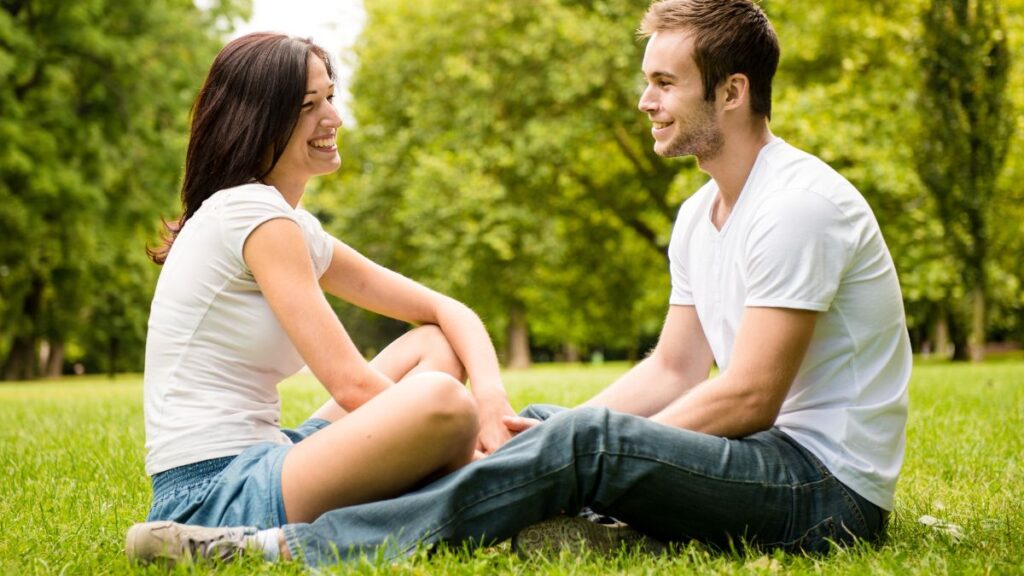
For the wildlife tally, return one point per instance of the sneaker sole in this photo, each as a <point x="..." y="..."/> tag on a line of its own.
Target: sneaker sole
<point x="579" y="535"/>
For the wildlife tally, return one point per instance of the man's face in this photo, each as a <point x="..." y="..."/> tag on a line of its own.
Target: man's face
<point x="684" y="123"/>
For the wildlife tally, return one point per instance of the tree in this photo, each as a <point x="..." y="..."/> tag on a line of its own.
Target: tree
<point x="95" y="97"/>
<point x="965" y="138"/>
<point x="498" y="156"/>
<point x="841" y="93"/>
<point x="510" y="144"/>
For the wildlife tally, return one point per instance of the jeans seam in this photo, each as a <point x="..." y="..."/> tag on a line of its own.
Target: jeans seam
<point x="851" y="504"/>
<point x="786" y="544"/>
<point x="455" y="513"/>
<point x="717" y="478"/>
<point x="452" y="516"/>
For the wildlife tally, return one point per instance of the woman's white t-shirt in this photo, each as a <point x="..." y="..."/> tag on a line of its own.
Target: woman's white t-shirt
<point x="215" y="352"/>
<point x="800" y="236"/>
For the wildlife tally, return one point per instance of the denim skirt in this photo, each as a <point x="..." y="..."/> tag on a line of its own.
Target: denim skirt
<point x="242" y="490"/>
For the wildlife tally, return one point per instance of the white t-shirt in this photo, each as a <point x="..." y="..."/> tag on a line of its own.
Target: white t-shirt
<point x="802" y="237"/>
<point x="215" y="351"/>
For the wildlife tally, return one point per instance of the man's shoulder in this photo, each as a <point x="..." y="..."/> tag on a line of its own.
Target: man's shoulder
<point x="787" y="166"/>
<point x="793" y="176"/>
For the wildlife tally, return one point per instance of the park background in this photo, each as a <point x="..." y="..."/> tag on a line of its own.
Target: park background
<point x="495" y="153"/>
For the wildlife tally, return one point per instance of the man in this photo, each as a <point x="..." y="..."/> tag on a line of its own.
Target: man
<point x="779" y="275"/>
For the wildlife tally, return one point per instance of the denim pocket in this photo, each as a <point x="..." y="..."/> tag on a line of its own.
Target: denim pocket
<point x="860" y="527"/>
<point x="817" y="538"/>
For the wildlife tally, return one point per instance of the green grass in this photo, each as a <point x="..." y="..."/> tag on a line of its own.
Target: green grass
<point x="71" y="453"/>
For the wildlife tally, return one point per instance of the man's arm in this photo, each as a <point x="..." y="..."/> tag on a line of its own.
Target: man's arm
<point x="746" y="398"/>
<point x="681" y="360"/>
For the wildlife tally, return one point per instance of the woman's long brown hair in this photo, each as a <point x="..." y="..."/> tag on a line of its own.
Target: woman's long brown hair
<point x="242" y="119"/>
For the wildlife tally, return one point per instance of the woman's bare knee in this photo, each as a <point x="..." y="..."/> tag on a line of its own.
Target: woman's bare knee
<point x="437" y="351"/>
<point x="447" y="406"/>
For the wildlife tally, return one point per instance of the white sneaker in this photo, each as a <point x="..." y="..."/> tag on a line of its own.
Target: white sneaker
<point x="172" y="543"/>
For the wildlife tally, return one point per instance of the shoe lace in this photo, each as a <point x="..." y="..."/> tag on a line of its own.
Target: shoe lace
<point x="601" y="519"/>
<point x="221" y="547"/>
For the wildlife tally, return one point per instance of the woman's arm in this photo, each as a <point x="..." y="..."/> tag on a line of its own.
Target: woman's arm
<point x="278" y="257"/>
<point x="357" y="279"/>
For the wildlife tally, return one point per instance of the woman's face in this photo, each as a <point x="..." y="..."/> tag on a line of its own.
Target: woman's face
<point x="312" y="149"/>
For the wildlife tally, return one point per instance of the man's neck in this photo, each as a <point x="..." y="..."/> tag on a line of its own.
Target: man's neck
<point x="731" y="167"/>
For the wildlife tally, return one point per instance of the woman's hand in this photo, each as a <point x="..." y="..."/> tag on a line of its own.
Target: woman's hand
<point x="493" y="409"/>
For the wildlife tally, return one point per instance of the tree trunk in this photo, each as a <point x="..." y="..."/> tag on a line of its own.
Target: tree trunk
<point x="21" y="361"/>
<point x="976" y="338"/>
<point x="958" y="335"/>
<point x="112" y="354"/>
<point x="54" y="360"/>
<point x="942" y="336"/>
<point x="518" y="339"/>
<point x="571" y="352"/>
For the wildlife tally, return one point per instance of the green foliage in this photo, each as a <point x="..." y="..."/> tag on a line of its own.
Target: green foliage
<point x="965" y="138"/>
<point x="73" y="459"/>
<point x="843" y="93"/>
<point x="498" y="156"/>
<point x="510" y="167"/>
<point x="966" y="62"/>
<point x="95" y="97"/>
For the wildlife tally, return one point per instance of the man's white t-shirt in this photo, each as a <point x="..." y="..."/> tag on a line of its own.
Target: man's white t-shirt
<point x="802" y="237"/>
<point x="215" y="352"/>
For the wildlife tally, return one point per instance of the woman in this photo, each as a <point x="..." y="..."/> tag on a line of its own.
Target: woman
<point x="240" y="305"/>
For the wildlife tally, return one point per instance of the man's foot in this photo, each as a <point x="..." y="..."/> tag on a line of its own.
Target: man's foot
<point x="587" y="532"/>
<point x="172" y="543"/>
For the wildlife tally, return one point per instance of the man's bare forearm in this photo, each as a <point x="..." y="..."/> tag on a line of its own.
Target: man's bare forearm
<point x="645" y="390"/>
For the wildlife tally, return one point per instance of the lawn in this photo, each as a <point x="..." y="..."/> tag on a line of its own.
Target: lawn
<point x="72" y="451"/>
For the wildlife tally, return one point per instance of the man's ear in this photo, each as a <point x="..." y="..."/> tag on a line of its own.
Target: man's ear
<point x="734" y="92"/>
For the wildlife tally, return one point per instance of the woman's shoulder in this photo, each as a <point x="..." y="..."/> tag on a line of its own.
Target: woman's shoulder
<point x="240" y="209"/>
<point x="251" y="195"/>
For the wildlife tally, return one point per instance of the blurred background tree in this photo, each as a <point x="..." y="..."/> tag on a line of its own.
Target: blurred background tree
<point x="95" y="97"/>
<point x="966" y="134"/>
<point x="497" y="155"/>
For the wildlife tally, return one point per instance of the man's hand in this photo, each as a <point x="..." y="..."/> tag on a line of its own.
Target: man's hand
<point x="517" y="424"/>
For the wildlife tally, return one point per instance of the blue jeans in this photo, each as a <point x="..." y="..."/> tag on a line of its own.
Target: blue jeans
<point x="672" y="484"/>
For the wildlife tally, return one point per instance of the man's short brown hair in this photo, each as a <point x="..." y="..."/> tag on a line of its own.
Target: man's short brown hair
<point x="729" y="37"/>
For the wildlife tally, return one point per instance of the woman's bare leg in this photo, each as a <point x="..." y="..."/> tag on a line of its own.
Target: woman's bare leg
<point x="419" y="350"/>
<point x="424" y="425"/>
